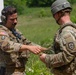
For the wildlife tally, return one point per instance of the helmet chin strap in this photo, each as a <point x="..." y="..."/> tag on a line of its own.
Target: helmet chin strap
<point x="62" y="14"/>
<point x="57" y="21"/>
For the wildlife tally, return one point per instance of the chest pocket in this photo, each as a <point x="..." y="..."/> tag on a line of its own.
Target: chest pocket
<point x="14" y="38"/>
<point x="56" y="44"/>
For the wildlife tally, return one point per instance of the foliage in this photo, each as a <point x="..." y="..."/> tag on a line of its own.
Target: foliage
<point x="40" y="30"/>
<point x="19" y="4"/>
<point x="22" y="4"/>
<point x="43" y="3"/>
<point x="37" y="12"/>
<point x="72" y="1"/>
<point x="37" y="67"/>
<point x="42" y="13"/>
<point x="73" y="13"/>
<point x="39" y="3"/>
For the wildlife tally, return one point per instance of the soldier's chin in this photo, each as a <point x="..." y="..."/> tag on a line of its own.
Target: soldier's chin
<point x="13" y="25"/>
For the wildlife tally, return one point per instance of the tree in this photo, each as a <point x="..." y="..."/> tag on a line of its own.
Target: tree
<point x="19" y="4"/>
<point x="39" y="3"/>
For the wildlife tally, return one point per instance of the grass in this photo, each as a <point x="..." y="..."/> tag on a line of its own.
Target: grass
<point x="38" y="26"/>
<point x="37" y="12"/>
<point x="40" y="30"/>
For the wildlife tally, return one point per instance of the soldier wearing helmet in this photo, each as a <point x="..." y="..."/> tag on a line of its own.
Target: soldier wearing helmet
<point x="14" y="47"/>
<point x="60" y="6"/>
<point x="63" y="61"/>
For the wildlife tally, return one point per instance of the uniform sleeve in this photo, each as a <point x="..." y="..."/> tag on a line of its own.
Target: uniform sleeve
<point x="68" y="47"/>
<point x="6" y="44"/>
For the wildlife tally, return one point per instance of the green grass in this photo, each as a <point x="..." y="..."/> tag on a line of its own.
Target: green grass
<point x="38" y="26"/>
<point x="37" y="12"/>
<point x="40" y="31"/>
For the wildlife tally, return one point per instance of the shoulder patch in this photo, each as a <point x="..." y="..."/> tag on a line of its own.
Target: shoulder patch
<point x="70" y="42"/>
<point x="71" y="45"/>
<point x="3" y="33"/>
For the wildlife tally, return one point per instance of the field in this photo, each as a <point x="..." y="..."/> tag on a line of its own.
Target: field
<point x="38" y="25"/>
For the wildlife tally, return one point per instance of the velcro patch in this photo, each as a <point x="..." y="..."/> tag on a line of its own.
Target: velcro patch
<point x="3" y="37"/>
<point x="71" y="45"/>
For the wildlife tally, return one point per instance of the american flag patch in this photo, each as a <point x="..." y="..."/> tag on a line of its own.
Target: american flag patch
<point x="3" y="33"/>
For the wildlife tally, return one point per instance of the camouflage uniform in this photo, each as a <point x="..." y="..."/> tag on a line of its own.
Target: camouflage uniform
<point x="10" y="57"/>
<point x="63" y="62"/>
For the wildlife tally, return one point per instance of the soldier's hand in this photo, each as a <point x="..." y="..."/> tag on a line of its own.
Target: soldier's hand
<point x="35" y="49"/>
<point x="42" y="57"/>
<point x="43" y="49"/>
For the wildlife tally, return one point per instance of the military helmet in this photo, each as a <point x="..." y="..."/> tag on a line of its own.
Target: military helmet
<point x="59" y="5"/>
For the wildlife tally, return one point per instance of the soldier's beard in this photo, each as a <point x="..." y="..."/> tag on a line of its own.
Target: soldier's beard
<point x="13" y="26"/>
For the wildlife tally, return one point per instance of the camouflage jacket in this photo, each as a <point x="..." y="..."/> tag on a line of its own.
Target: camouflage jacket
<point x="63" y="62"/>
<point x="9" y="48"/>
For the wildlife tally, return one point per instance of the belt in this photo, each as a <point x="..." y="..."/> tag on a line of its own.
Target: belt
<point x="22" y="69"/>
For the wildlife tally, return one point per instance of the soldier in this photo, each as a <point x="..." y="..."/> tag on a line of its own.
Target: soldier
<point x="14" y="47"/>
<point x="63" y="61"/>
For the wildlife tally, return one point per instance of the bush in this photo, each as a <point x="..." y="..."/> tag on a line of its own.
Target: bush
<point x="19" y="4"/>
<point x="39" y="3"/>
<point x="42" y="13"/>
<point x="74" y="19"/>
